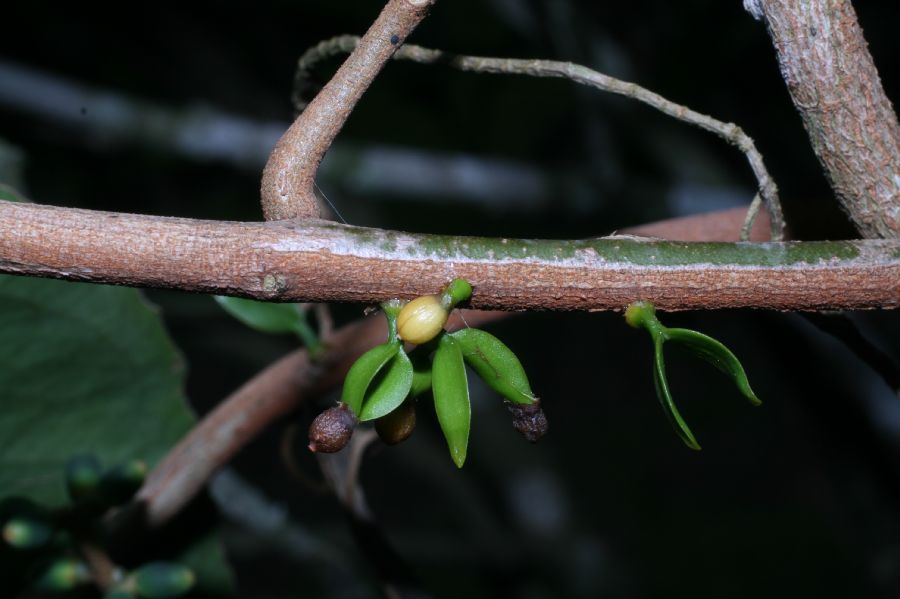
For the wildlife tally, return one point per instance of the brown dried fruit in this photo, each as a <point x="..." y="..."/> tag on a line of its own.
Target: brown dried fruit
<point x="397" y="426"/>
<point x="332" y="429"/>
<point x="529" y="419"/>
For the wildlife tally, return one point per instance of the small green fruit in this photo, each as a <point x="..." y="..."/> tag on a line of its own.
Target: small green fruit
<point x="24" y="532"/>
<point x="398" y="425"/>
<point x="162" y="580"/>
<point x="83" y="475"/>
<point x="63" y="575"/>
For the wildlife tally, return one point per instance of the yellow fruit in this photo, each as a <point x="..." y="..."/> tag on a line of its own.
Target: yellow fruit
<point x="422" y="319"/>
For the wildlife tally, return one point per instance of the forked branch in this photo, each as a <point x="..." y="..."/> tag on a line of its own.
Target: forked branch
<point x="730" y="132"/>
<point x="288" y="180"/>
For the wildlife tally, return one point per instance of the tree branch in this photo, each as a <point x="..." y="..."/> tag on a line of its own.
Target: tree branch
<point x="729" y="132"/>
<point x="289" y="176"/>
<point x="326" y="262"/>
<point x="281" y="387"/>
<point x="835" y="86"/>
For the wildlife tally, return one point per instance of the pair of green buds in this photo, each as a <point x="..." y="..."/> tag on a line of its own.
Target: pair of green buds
<point x="643" y="315"/>
<point x="92" y="490"/>
<point x="384" y="381"/>
<point x="155" y="580"/>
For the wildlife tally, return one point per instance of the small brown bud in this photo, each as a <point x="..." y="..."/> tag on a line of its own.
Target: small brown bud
<point x="397" y="426"/>
<point x="529" y="419"/>
<point x="332" y="429"/>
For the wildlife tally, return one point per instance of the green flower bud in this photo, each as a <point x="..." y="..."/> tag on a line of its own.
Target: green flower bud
<point x="639" y="313"/>
<point x="83" y="475"/>
<point x="27" y="532"/>
<point x="162" y="580"/>
<point x="63" y="575"/>
<point x="119" y="484"/>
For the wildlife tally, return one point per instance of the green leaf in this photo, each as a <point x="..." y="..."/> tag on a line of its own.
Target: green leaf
<point x="266" y="317"/>
<point x="718" y="355"/>
<point x="363" y="371"/>
<point x="496" y="364"/>
<point x="9" y="193"/>
<point x="388" y="390"/>
<point x="85" y="369"/>
<point x="451" y="397"/>
<point x="421" y="365"/>
<point x="665" y="396"/>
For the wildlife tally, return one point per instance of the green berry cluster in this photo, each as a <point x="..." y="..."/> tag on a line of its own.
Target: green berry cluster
<point x="56" y="549"/>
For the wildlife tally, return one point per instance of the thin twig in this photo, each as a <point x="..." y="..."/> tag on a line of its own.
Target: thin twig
<point x="721" y="225"/>
<point x="288" y="182"/>
<point x="102" y="568"/>
<point x="730" y="132"/>
<point x="752" y="213"/>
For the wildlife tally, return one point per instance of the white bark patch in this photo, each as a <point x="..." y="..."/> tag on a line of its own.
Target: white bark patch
<point x="754" y="7"/>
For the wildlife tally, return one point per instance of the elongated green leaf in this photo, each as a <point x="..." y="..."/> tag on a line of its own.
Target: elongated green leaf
<point x="421" y="381"/>
<point x="389" y="389"/>
<point x="451" y="398"/>
<point x="718" y="355"/>
<point x="496" y="364"/>
<point x="363" y="372"/>
<point x="665" y="396"/>
<point x="266" y="317"/>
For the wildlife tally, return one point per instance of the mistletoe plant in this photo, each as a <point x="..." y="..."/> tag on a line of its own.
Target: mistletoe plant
<point x="383" y="385"/>
<point x="643" y="315"/>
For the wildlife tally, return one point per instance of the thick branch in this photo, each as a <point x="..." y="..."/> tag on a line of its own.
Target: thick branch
<point x="324" y="262"/>
<point x="729" y="132"/>
<point x="835" y="87"/>
<point x="289" y="177"/>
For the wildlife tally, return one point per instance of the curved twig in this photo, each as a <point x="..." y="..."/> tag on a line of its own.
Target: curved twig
<point x="730" y="132"/>
<point x="287" y="189"/>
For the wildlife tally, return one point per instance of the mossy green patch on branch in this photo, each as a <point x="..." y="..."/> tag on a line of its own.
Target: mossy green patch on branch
<point x="618" y="250"/>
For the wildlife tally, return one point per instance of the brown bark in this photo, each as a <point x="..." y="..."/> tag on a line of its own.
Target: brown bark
<point x="327" y="262"/>
<point x="724" y="225"/>
<point x="835" y="86"/>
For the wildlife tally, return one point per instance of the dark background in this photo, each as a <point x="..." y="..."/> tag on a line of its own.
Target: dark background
<point x="800" y="497"/>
